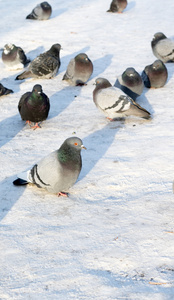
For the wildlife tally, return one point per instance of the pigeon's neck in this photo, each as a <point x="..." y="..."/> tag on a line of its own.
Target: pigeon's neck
<point x="35" y="99"/>
<point x="154" y="42"/>
<point x="54" y="54"/>
<point x="131" y="80"/>
<point x="69" y="156"/>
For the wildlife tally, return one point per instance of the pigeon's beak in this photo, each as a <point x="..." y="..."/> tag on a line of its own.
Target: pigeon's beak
<point x="83" y="147"/>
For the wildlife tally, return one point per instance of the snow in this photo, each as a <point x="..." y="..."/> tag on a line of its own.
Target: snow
<point x="113" y="237"/>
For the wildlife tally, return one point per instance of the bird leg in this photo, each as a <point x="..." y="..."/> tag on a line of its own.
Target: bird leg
<point x="62" y="194"/>
<point x="36" y="125"/>
<point x="28" y="122"/>
<point x="110" y="119"/>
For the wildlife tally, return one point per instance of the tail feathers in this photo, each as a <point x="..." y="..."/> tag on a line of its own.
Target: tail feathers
<point x="138" y="111"/>
<point x="65" y="77"/>
<point x="23" y="75"/>
<point x="22" y="179"/>
<point x="31" y="17"/>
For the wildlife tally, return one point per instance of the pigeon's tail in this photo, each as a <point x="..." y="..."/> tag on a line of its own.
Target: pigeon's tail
<point x="8" y="91"/>
<point x="27" y="62"/>
<point x="22" y="179"/>
<point x="65" y="77"/>
<point x="138" y="111"/>
<point x="31" y="17"/>
<point x="24" y="75"/>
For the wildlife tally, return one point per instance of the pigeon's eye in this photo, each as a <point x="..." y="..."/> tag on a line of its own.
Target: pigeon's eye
<point x="75" y="144"/>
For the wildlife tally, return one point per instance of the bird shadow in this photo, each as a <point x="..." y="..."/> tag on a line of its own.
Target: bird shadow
<point x="66" y="59"/>
<point x="170" y="71"/>
<point x="60" y="100"/>
<point x="57" y="12"/>
<point x="130" y="5"/>
<point x="10" y="82"/>
<point x="35" y="52"/>
<point x="9" y="197"/>
<point x="9" y="128"/>
<point x="101" y="64"/>
<point x="96" y="148"/>
<point x="143" y="101"/>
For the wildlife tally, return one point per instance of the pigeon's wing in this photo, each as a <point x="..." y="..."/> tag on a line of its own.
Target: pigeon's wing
<point x="47" y="172"/>
<point x="43" y="65"/>
<point x="22" y="56"/>
<point x="165" y="48"/>
<point x="37" y="11"/>
<point x="112" y="99"/>
<point x="22" y="99"/>
<point x="70" y="70"/>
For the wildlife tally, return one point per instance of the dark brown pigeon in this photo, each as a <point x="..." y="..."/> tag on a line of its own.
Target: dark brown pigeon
<point x="34" y="106"/>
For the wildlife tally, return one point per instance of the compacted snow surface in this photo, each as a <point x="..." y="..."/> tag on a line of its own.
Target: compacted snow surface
<point x="113" y="238"/>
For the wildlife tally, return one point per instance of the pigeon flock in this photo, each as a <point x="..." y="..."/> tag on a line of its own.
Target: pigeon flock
<point x="59" y="171"/>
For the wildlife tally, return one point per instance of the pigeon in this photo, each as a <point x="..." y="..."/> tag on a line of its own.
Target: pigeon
<point x="155" y="75"/>
<point x="4" y="90"/>
<point x="34" y="106"/>
<point x="114" y="103"/>
<point x="163" y="47"/>
<point x="14" y="57"/>
<point x="58" y="171"/>
<point x="46" y="65"/>
<point x="79" y="70"/>
<point x="41" y="12"/>
<point x="130" y="82"/>
<point x="117" y="6"/>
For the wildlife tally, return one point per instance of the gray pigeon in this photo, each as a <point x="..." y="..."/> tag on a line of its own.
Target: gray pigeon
<point x="41" y="12"/>
<point x="79" y="70"/>
<point x="114" y="103"/>
<point x="155" y="75"/>
<point x="34" y="106"/>
<point x="162" y="47"/>
<point x="117" y="6"/>
<point x="4" y="90"/>
<point x="130" y="82"/>
<point x="58" y="171"/>
<point x="46" y="65"/>
<point x="14" y="57"/>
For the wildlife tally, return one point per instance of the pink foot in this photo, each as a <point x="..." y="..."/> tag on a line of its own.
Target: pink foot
<point x="36" y="126"/>
<point x="62" y="194"/>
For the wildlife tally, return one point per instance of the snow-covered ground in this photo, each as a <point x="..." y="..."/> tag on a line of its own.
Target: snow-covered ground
<point x="113" y="238"/>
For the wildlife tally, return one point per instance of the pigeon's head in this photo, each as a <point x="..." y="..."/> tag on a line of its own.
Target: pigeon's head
<point x="37" y="89"/>
<point x="55" y="49"/>
<point x="157" y="64"/>
<point x="75" y="143"/>
<point x="82" y="57"/>
<point x="8" y="48"/>
<point x="158" y="37"/>
<point x="130" y="72"/>
<point x="102" y="83"/>
<point x="131" y="77"/>
<point x="45" y="4"/>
